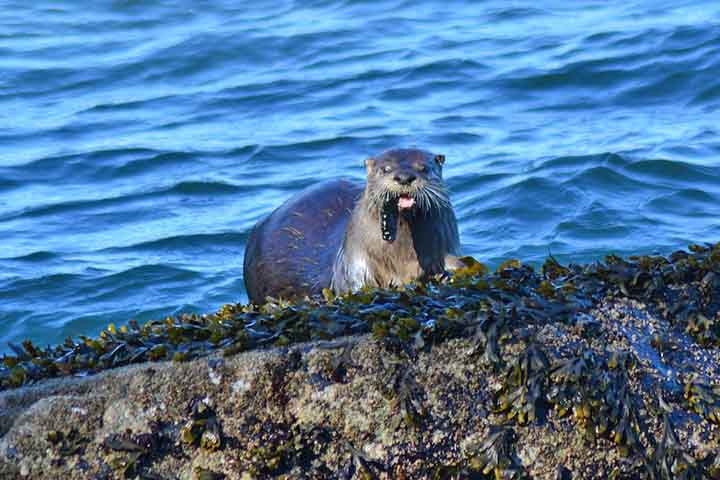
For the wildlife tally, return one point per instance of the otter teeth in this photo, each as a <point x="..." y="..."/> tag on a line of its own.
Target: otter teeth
<point x="405" y="202"/>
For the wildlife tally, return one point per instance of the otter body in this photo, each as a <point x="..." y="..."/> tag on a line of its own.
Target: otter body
<point x="337" y="234"/>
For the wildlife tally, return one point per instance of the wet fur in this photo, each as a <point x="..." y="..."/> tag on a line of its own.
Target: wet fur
<point x="425" y="235"/>
<point x="299" y="251"/>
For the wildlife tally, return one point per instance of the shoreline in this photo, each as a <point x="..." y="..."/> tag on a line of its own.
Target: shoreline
<point x="568" y="372"/>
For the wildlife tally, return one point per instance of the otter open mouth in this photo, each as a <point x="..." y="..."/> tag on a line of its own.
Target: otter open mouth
<point x="405" y="202"/>
<point x="390" y="212"/>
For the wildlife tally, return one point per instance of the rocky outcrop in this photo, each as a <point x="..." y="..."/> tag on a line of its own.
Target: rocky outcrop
<point x="605" y="371"/>
<point x="596" y="399"/>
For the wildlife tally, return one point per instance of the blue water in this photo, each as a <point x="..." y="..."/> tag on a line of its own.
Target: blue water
<point x="140" y="141"/>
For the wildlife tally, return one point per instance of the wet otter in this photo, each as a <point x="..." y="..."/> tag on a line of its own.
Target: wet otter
<point x="337" y="234"/>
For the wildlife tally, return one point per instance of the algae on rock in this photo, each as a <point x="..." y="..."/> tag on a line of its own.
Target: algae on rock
<point x="607" y="370"/>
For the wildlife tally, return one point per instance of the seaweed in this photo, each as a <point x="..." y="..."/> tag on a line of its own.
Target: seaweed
<point x="200" y="473"/>
<point x="389" y="219"/>
<point x="203" y="428"/>
<point x="498" y="312"/>
<point x="407" y="399"/>
<point x="132" y="455"/>
<point x="361" y="466"/>
<point x="279" y="448"/>
<point x="493" y="459"/>
<point x="595" y="390"/>
<point x="670" y="461"/>
<point x="497" y="456"/>
<point x="522" y="397"/>
<point x="703" y="398"/>
<point x="65" y="444"/>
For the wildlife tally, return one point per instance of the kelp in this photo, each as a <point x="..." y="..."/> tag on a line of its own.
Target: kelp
<point x="684" y="287"/>
<point x="590" y="388"/>
<point x="493" y="459"/>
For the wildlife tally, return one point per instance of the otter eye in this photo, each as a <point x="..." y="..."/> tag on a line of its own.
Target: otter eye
<point x="387" y="169"/>
<point x="422" y="168"/>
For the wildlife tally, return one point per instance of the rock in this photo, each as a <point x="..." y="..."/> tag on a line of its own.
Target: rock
<point x="602" y="371"/>
<point x="424" y="413"/>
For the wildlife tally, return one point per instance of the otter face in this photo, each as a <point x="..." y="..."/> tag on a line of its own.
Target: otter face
<point x="410" y="178"/>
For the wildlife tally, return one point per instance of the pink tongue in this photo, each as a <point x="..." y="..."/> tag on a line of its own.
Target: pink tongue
<point x="406" y="202"/>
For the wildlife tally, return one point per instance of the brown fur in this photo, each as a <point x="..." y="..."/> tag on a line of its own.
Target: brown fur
<point x="330" y="236"/>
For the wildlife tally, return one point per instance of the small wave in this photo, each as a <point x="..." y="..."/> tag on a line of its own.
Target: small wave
<point x="528" y="201"/>
<point x="601" y="39"/>
<point x="39" y="256"/>
<point x="475" y="182"/>
<point x="182" y="242"/>
<point x="130" y="105"/>
<point x="56" y="285"/>
<point x="148" y="273"/>
<point x="457" y="138"/>
<point x="447" y="69"/>
<point x="659" y="87"/>
<point x="301" y="152"/>
<point x="202" y="188"/>
<point x="606" y="179"/>
<point x="7" y="184"/>
<point x="686" y="202"/>
<point x="345" y="58"/>
<point x="597" y="223"/>
<point x="416" y="90"/>
<point x="244" y="152"/>
<point x="580" y="162"/>
<point x="515" y="13"/>
<point x="686" y="38"/>
<point x="579" y="74"/>
<point x="134" y="284"/>
<point x="182" y="188"/>
<point x="707" y="95"/>
<point x="528" y="186"/>
<point x="673" y="171"/>
<point x="151" y="163"/>
<point x="74" y="165"/>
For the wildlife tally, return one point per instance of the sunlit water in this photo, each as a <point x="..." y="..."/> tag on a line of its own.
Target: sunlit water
<point x="139" y="143"/>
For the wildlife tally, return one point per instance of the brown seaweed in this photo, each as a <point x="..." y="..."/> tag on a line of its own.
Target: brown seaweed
<point x="389" y="214"/>
<point x="499" y="312"/>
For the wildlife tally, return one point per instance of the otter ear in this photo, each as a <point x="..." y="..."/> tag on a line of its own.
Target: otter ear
<point x="440" y="159"/>
<point x="369" y="165"/>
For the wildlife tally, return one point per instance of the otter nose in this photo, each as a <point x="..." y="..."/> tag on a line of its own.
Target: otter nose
<point x="404" y="178"/>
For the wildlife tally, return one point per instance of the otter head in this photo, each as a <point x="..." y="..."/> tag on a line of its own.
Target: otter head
<point x="405" y="182"/>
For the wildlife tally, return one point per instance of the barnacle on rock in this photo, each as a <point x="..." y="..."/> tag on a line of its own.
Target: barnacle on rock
<point x="703" y="398"/>
<point x="67" y="443"/>
<point x="278" y="449"/>
<point x="211" y="439"/>
<point x="132" y="455"/>
<point x="534" y="333"/>
<point x="422" y="313"/>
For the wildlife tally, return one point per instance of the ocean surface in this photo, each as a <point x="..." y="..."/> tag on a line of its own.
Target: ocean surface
<point x="140" y="141"/>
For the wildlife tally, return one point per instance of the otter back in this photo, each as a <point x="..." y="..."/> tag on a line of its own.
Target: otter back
<point x="291" y="253"/>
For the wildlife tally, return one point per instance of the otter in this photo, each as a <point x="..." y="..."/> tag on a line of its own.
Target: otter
<point x="400" y="227"/>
